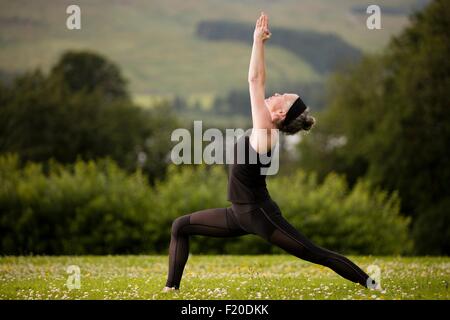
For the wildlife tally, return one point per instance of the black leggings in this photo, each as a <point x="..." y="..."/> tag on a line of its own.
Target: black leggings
<point x="266" y="221"/>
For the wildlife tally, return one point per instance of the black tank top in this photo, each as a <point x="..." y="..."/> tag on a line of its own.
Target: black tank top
<point x="246" y="184"/>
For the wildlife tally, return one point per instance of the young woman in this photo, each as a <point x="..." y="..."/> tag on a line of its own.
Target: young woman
<point x="252" y="210"/>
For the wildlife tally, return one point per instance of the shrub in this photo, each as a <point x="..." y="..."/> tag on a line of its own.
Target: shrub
<point x="87" y="207"/>
<point x="364" y="220"/>
<point x="97" y="208"/>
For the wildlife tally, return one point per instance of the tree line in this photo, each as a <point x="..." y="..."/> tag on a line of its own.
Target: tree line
<point x="82" y="109"/>
<point x="388" y="119"/>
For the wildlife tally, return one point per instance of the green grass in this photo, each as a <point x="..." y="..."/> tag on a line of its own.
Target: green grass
<point x="219" y="277"/>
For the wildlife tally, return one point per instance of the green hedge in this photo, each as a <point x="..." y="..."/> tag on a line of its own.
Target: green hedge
<point x="97" y="208"/>
<point x="85" y="208"/>
<point x="362" y="220"/>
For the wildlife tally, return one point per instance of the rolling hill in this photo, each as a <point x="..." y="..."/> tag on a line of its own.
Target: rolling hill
<point x="160" y="50"/>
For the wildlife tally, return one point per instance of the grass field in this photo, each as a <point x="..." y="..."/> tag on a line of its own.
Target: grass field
<point x="219" y="277"/>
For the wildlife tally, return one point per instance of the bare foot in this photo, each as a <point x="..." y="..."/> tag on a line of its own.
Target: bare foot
<point x="167" y="289"/>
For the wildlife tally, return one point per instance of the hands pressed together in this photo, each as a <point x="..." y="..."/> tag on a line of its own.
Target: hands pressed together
<point x="262" y="28"/>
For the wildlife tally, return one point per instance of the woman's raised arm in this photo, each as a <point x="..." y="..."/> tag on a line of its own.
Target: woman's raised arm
<point x="261" y="117"/>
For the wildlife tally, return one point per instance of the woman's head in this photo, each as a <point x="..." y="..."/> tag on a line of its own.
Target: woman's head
<point x="279" y="105"/>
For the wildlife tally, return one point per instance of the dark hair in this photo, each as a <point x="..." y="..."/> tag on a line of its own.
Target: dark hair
<point x="303" y="122"/>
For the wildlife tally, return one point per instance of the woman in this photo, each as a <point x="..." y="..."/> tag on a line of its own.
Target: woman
<point x="252" y="210"/>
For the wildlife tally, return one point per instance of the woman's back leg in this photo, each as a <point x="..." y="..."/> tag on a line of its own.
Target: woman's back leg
<point x="288" y="238"/>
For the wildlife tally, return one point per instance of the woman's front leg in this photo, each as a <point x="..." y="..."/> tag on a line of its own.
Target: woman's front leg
<point x="211" y="222"/>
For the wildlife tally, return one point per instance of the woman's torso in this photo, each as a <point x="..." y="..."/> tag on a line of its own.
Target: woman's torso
<point x="246" y="181"/>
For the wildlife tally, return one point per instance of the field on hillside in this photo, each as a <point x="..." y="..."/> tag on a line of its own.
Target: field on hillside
<point x="156" y="45"/>
<point x="219" y="277"/>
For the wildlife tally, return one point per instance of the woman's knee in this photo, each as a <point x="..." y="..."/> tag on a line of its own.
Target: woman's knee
<point x="179" y="223"/>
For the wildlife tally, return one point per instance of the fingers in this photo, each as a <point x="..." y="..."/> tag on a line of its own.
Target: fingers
<point x="264" y="24"/>
<point x="259" y="21"/>
<point x="263" y="21"/>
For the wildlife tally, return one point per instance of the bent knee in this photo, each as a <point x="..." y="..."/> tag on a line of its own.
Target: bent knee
<point x="178" y="224"/>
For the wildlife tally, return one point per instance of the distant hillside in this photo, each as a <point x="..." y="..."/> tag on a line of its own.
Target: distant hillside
<point x="157" y="45"/>
<point x="322" y="51"/>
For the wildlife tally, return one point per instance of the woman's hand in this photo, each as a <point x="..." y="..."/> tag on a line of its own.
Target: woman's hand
<point x="262" y="28"/>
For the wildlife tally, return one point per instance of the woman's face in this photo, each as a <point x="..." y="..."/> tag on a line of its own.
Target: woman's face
<point x="279" y="104"/>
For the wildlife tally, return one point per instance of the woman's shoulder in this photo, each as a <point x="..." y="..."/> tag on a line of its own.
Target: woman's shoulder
<point x="263" y="140"/>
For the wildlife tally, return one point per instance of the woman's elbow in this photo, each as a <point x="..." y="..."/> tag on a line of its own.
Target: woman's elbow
<point x="256" y="80"/>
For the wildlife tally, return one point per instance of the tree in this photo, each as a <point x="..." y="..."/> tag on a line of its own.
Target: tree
<point x="391" y="114"/>
<point x="89" y="72"/>
<point x="44" y="117"/>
